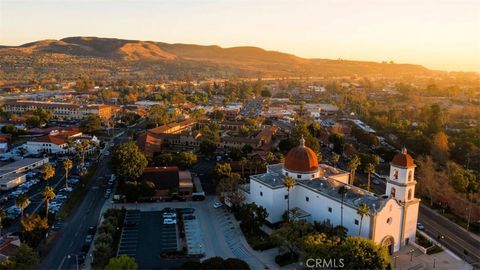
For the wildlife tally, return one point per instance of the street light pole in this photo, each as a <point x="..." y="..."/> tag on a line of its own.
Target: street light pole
<point x="395" y="261"/>
<point x="434" y="261"/>
<point x="411" y="253"/>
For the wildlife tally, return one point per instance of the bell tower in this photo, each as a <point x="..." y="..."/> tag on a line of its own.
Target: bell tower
<point x="401" y="182"/>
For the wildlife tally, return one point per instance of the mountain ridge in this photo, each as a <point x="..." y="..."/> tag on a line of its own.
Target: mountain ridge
<point x="202" y="60"/>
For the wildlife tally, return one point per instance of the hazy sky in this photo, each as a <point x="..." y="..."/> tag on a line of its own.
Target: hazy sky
<point x="438" y="34"/>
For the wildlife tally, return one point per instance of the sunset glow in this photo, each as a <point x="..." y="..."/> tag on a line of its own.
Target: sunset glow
<point x="441" y="35"/>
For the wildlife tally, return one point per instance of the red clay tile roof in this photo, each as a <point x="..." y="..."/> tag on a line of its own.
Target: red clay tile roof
<point x="301" y="159"/>
<point x="403" y="159"/>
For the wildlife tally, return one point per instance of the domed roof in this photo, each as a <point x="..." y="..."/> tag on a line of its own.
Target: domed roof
<point x="403" y="159"/>
<point x="301" y="159"/>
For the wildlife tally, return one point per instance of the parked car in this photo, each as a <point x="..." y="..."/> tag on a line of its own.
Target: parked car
<point x="420" y="226"/>
<point x="169" y="221"/>
<point x="89" y="239"/>
<point x="217" y="205"/>
<point x="169" y="215"/>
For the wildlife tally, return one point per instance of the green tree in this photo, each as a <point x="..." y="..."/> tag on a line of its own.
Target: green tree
<point x="252" y="216"/>
<point x="48" y="171"/>
<point x="127" y="161"/>
<point x="25" y="258"/>
<point x="33" y="121"/>
<point x="352" y="167"/>
<point x="362" y="210"/>
<point x="123" y="262"/>
<point x="208" y="147"/>
<point x="48" y="195"/>
<point x="291" y="235"/>
<point x="369" y="169"/>
<point x="92" y="124"/>
<point x="289" y="183"/>
<point x="187" y="159"/>
<point x="9" y="129"/>
<point x="362" y="253"/>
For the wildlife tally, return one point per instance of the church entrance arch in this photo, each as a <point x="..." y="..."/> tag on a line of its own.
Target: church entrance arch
<point x="389" y="243"/>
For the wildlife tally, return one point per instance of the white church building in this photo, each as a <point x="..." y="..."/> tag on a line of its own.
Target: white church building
<point x="392" y="219"/>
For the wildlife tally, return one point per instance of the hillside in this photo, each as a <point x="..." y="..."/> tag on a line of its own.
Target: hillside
<point x="100" y="57"/>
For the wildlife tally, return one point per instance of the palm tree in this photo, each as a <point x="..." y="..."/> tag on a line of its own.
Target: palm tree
<point x="342" y="191"/>
<point x="67" y="165"/>
<point x="22" y="202"/>
<point x="81" y="149"/>
<point x="243" y="162"/>
<point x="335" y="159"/>
<point x="48" y="195"/>
<point x="369" y="169"/>
<point x="352" y="167"/>
<point x="289" y="183"/>
<point x="47" y="172"/>
<point x="362" y="210"/>
<point x="269" y="157"/>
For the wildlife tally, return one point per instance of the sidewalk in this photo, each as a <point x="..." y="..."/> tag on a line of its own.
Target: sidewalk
<point x="416" y="260"/>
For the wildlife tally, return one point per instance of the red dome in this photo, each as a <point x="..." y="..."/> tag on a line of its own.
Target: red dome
<point x="301" y="159"/>
<point x="403" y="159"/>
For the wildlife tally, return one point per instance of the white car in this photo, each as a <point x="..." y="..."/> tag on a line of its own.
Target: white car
<point x="169" y="215"/>
<point x="169" y="221"/>
<point x="217" y="205"/>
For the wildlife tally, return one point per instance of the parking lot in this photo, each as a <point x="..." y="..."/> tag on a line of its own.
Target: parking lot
<point x="209" y="230"/>
<point x="145" y="237"/>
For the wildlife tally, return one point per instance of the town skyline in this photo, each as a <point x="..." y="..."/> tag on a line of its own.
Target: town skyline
<point x="329" y="30"/>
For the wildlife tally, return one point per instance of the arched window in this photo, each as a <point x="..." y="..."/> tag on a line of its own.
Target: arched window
<point x="410" y="175"/>
<point x="395" y="174"/>
<point x="409" y="194"/>
<point x="392" y="192"/>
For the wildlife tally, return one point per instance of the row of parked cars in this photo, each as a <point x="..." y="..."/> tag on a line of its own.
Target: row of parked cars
<point x="62" y="195"/>
<point x="169" y="216"/>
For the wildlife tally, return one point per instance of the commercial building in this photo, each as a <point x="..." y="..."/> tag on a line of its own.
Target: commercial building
<point x="67" y="111"/>
<point x="14" y="174"/>
<point x="56" y="142"/>
<point x="169" y="182"/>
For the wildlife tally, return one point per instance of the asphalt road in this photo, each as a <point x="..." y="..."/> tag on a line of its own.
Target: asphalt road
<point x="70" y="238"/>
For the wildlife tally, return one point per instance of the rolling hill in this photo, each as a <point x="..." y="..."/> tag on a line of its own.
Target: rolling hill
<point x="73" y="56"/>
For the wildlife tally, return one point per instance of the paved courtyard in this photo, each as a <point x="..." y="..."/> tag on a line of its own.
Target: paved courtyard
<point x="420" y="261"/>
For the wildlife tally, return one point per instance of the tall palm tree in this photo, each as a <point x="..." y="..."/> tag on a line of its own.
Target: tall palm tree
<point x="335" y="159"/>
<point x="362" y="210"/>
<point x="81" y="149"/>
<point x="48" y="171"/>
<point x="352" y="167"/>
<point x="369" y="169"/>
<point x="243" y="162"/>
<point x="22" y="202"/>
<point x="342" y="191"/>
<point x="67" y="165"/>
<point x="48" y="195"/>
<point x="289" y="183"/>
